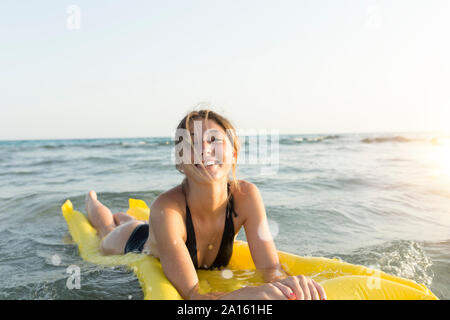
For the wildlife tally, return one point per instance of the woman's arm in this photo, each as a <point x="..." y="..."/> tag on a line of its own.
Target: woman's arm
<point x="264" y="253"/>
<point x="259" y="238"/>
<point x="168" y="227"/>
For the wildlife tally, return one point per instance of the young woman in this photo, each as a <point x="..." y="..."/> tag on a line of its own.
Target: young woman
<point x="193" y="225"/>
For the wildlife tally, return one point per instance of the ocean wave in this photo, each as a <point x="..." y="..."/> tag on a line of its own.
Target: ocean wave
<point x="18" y="173"/>
<point x="49" y="162"/>
<point x="55" y="145"/>
<point x="98" y="159"/>
<point x="297" y="140"/>
<point x="401" y="258"/>
<point x="84" y="145"/>
<point x="52" y="146"/>
<point x="146" y="144"/>
<point x="23" y="165"/>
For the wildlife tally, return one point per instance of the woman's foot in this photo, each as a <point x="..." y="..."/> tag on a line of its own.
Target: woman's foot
<point x="89" y="200"/>
<point x="99" y="215"/>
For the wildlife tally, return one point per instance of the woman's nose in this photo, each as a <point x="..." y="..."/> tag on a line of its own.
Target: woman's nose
<point x="206" y="147"/>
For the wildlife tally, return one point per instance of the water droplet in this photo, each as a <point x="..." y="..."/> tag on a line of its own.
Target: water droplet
<point x="227" y="274"/>
<point x="268" y="231"/>
<point x="56" y="260"/>
<point x="278" y="273"/>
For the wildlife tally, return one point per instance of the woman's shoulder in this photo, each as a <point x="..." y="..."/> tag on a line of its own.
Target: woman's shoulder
<point x="171" y="199"/>
<point x="243" y="188"/>
<point x="248" y="201"/>
<point x="245" y="195"/>
<point x="167" y="215"/>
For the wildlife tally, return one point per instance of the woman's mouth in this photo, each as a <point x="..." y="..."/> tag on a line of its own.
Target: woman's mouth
<point x="209" y="164"/>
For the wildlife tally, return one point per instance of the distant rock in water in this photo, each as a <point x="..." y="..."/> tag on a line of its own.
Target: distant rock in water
<point x="387" y="139"/>
<point x="434" y="141"/>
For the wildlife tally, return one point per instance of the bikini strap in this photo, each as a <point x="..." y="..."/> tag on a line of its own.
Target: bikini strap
<point x="191" y="243"/>
<point x="230" y="208"/>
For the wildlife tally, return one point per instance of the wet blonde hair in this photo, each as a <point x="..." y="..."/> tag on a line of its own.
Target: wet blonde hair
<point x="225" y="124"/>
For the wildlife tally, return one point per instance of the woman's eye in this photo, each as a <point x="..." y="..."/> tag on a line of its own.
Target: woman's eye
<point x="214" y="139"/>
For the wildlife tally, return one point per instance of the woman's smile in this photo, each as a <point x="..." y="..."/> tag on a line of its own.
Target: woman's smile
<point x="209" y="164"/>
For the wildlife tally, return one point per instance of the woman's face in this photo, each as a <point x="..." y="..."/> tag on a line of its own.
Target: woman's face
<point x="212" y="155"/>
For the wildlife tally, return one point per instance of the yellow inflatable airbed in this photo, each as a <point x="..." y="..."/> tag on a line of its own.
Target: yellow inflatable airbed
<point x="340" y="280"/>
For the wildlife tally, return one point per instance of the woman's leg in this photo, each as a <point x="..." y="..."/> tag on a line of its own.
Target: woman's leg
<point x="114" y="238"/>
<point x="121" y="217"/>
<point x="99" y="216"/>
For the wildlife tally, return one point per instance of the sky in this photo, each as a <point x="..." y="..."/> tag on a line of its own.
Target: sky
<point x="98" y="69"/>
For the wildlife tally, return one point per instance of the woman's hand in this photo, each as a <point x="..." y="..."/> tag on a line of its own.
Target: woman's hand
<point x="300" y="288"/>
<point x="268" y="291"/>
<point x="291" y="288"/>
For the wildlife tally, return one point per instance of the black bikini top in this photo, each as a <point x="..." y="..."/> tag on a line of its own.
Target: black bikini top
<point x="226" y="246"/>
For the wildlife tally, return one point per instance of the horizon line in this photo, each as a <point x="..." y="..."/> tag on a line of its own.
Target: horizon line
<point x="166" y="136"/>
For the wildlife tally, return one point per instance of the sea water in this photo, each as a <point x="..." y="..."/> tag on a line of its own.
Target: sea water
<point x="379" y="200"/>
